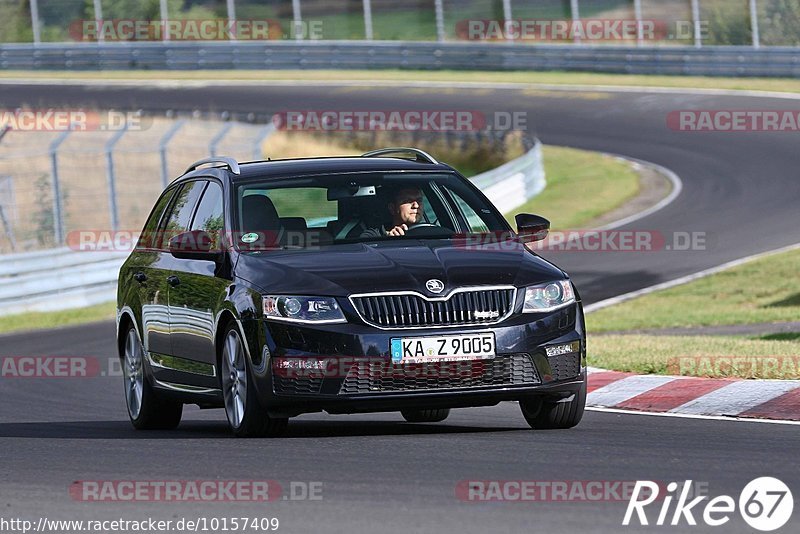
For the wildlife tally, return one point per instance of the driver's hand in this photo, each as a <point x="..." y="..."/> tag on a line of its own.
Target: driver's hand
<point x="398" y="230"/>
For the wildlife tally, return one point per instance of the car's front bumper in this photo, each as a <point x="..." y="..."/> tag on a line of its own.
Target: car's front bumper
<point x="356" y="373"/>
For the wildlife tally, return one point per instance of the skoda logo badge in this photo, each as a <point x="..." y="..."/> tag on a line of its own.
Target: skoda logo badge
<point x="434" y="285"/>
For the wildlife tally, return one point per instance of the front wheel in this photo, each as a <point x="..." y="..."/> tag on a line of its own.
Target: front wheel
<point x="542" y="413"/>
<point x="425" y="416"/>
<point x="146" y="409"/>
<point x="246" y="417"/>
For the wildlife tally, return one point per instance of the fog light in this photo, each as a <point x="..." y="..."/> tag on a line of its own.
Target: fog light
<point x="565" y="348"/>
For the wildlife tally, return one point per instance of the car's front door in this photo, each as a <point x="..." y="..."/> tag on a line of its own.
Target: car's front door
<point x="194" y="300"/>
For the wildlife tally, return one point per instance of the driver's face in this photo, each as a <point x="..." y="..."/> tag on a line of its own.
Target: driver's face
<point x="407" y="206"/>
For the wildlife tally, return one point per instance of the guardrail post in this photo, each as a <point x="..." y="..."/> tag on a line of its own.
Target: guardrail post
<point x="162" y="150"/>
<point x="262" y="134"/>
<point x="367" y="19"/>
<point x="754" y="23"/>
<point x="58" y="219"/>
<point x="297" y="20"/>
<point x="112" y="179"/>
<point x="507" y="16"/>
<point x="98" y="17"/>
<point x="698" y="34"/>
<point x="576" y="17"/>
<point x="35" y="23"/>
<point x="164" y="9"/>
<point x="212" y="146"/>
<point x="438" y="4"/>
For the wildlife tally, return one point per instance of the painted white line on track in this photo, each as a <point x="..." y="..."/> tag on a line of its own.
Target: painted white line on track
<point x="736" y="397"/>
<point x="691" y="416"/>
<point x="686" y="279"/>
<point x="625" y="389"/>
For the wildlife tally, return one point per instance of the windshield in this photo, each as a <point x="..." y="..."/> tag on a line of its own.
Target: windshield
<point x="331" y="209"/>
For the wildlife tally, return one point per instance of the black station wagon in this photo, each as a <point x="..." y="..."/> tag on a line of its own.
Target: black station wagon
<point x="350" y="284"/>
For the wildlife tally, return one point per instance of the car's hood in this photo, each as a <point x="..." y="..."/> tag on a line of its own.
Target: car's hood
<point x="343" y="270"/>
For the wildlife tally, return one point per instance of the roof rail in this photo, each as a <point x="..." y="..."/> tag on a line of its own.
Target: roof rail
<point x="231" y="163"/>
<point x="421" y="155"/>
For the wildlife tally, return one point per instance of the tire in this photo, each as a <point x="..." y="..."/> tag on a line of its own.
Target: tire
<point x="147" y="411"/>
<point x="543" y="414"/>
<point x="425" y="416"/>
<point x="246" y="417"/>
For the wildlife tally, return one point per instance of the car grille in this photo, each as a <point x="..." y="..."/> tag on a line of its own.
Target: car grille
<point x="471" y="307"/>
<point x="508" y="370"/>
<point x="565" y="366"/>
<point x="287" y="385"/>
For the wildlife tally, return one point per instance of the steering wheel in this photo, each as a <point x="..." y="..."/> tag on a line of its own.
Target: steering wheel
<point x="425" y="229"/>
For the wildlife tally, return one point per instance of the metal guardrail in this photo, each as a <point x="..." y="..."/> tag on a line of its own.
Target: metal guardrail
<point x="514" y="183"/>
<point x="63" y="278"/>
<point x="708" y="61"/>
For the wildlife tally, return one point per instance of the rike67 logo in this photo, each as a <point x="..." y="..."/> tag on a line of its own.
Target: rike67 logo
<point x="765" y="504"/>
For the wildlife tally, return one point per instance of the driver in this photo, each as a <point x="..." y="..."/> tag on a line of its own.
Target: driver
<point x="405" y="209"/>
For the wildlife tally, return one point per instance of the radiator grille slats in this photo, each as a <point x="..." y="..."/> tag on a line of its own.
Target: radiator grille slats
<point x="415" y="311"/>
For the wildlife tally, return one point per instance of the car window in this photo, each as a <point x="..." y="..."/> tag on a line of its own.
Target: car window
<point x="475" y="222"/>
<point x="209" y="216"/>
<point x="146" y="240"/>
<point x="181" y="211"/>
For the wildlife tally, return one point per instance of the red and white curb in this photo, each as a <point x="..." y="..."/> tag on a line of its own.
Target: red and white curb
<point x="677" y="395"/>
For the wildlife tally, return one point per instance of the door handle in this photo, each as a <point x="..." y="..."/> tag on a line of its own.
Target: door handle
<point x="174" y="281"/>
<point x="140" y="277"/>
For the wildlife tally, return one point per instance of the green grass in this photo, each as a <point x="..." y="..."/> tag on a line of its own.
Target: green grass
<point x="708" y="356"/>
<point x="46" y="320"/>
<point x="574" y="176"/>
<point x="525" y="77"/>
<point x="760" y="291"/>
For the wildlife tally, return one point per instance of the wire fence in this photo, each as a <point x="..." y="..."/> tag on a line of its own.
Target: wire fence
<point x="54" y="183"/>
<point x="680" y="22"/>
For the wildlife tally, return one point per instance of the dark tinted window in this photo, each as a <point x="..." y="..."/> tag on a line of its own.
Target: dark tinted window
<point x="151" y="226"/>
<point x="209" y="215"/>
<point x="180" y="215"/>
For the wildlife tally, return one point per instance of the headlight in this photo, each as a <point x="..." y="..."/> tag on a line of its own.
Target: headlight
<point x="548" y="297"/>
<point x="303" y="309"/>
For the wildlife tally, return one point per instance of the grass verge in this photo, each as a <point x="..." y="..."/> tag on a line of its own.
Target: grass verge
<point x="527" y="77"/>
<point x="761" y="291"/>
<point x="580" y="174"/>
<point x="704" y="356"/>
<point x="45" y="320"/>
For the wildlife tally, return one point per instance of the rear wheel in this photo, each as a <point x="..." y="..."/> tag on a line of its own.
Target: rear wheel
<point x="543" y="413"/>
<point x="426" y="416"/>
<point x="246" y="417"/>
<point x="146" y="409"/>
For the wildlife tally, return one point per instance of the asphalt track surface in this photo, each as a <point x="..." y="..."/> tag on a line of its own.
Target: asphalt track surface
<point x="378" y="473"/>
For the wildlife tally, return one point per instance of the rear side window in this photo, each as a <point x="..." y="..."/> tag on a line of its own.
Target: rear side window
<point x="180" y="215"/>
<point x="151" y="226"/>
<point x="209" y="216"/>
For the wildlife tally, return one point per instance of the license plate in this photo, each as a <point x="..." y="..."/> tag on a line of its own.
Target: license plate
<point x="443" y="348"/>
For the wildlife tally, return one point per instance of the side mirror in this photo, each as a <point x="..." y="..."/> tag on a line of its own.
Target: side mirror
<point x="194" y="245"/>
<point x="532" y="227"/>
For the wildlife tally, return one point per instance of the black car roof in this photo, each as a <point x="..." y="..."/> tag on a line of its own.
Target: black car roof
<point x="293" y="167"/>
<point x="320" y="165"/>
